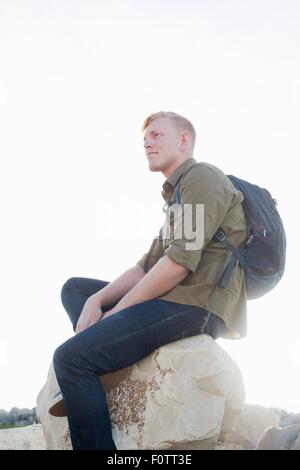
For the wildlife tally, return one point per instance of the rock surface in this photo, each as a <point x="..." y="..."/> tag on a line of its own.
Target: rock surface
<point x="252" y="424"/>
<point x="287" y="438"/>
<point x="182" y="396"/>
<point x="25" y="438"/>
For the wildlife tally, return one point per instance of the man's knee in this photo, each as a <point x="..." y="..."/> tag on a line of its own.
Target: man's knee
<point x="71" y="283"/>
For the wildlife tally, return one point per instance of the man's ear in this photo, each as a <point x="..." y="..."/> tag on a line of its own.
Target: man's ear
<point x="185" y="139"/>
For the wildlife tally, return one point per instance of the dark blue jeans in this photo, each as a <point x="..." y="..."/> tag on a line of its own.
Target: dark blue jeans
<point x="113" y="343"/>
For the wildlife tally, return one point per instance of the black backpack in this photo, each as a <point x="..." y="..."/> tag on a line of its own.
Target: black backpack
<point x="263" y="255"/>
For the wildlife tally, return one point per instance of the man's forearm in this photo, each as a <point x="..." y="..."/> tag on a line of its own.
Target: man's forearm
<point x="163" y="276"/>
<point x="120" y="286"/>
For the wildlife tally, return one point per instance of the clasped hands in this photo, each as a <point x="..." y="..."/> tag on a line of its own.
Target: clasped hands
<point x="91" y="314"/>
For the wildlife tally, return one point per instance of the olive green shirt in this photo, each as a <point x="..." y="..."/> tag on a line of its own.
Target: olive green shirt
<point x="202" y="183"/>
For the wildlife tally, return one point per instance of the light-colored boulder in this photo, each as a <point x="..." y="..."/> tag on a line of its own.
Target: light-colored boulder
<point x="24" y="438"/>
<point x="296" y="445"/>
<point x="253" y="422"/>
<point x="287" y="438"/>
<point x="180" y="397"/>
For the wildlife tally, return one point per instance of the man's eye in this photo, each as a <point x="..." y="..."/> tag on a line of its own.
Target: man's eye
<point x="157" y="133"/>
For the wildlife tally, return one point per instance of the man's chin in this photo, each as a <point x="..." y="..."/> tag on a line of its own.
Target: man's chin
<point x="154" y="166"/>
<point x="154" y="169"/>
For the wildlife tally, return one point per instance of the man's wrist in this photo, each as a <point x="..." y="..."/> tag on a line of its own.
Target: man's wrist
<point x="98" y="299"/>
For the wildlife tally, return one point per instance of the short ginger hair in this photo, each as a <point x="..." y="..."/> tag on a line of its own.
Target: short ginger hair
<point x="181" y="123"/>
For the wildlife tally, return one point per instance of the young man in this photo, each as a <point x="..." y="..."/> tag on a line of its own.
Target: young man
<point x="171" y="293"/>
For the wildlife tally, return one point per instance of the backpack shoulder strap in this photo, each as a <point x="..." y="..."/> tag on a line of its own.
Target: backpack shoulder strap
<point x="178" y="184"/>
<point x="237" y="255"/>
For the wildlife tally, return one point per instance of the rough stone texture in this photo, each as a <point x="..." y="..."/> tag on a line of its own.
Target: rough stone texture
<point x="24" y="438"/>
<point x="287" y="438"/>
<point x="180" y="397"/>
<point x="254" y="420"/>
<point x="286" y="417"/>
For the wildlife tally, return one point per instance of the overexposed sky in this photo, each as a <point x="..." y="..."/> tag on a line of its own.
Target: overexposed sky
<point x="77" y="79"/>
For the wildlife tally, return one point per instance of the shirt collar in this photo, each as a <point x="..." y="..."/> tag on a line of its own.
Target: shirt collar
<point x="171" y="181"/>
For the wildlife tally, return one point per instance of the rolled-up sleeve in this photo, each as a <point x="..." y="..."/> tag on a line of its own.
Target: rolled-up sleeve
<point x="155" y="252"/>
<point x="141" y="261"/>
<point x="200" y="185"/>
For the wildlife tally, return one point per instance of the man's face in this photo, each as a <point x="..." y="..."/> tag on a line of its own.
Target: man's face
<point x="162" y="144"/>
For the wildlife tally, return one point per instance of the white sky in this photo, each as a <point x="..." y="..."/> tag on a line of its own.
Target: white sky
<point x="77" y="79"/>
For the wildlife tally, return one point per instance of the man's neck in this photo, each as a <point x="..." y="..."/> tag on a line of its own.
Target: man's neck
<point x="168" y="171"/>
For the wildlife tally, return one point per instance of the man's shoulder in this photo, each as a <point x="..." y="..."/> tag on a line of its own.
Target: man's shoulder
<point x="208" y="175"/>
<point x="203" y="170"/>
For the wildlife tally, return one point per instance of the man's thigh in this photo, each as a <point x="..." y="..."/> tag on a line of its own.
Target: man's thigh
<point x="132" y="334"/>
<point x="84" y="285"/>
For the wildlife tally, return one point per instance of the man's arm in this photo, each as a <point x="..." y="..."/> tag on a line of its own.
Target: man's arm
<point x="163" y="276"/>
<point x="110" y="294"/>
<point x="120" y="286"/>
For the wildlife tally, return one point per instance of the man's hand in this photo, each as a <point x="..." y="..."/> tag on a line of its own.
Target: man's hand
<point x="91" y="314"/>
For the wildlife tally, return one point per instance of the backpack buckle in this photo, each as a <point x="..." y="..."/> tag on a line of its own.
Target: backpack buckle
<point x="220" y="236"/>
<point x="250" y="240"/>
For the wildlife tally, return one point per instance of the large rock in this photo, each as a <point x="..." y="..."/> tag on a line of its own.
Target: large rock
<point x="286" y="418"/>
<point x="287" y="438"/>
<point x="24" y="438"/>
<point x="252" y="424"/>
<point x="182" y="396"/>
